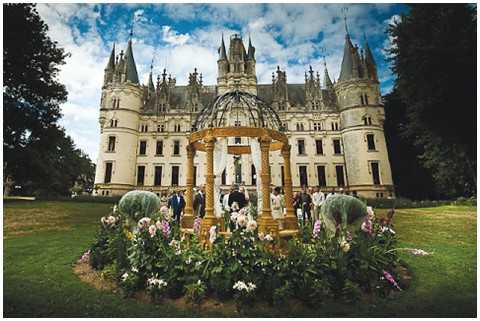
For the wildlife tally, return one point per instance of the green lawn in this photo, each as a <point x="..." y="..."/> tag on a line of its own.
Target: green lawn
<point x="42" y="240"/>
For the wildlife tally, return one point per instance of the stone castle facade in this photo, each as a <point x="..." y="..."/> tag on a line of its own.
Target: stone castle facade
<point x="335" y="128"/>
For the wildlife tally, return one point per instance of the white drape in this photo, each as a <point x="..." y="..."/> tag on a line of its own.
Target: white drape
<point x="257" y="162"/>
<point x="219" y="164"/>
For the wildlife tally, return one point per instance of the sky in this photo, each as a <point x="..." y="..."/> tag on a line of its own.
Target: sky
<point x="181" y="37"/>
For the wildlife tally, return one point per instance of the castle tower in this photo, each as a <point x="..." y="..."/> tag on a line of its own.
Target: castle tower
<point x="122" y="99"/>
<point x="367" y="166"/>
<point x="237" y="69"/>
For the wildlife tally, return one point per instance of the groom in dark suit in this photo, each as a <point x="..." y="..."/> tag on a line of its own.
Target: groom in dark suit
<point x="237" y="196"/>
<point x="177" y="203"/>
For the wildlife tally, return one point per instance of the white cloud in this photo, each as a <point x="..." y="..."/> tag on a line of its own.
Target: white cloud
<point x="171" y="37"/>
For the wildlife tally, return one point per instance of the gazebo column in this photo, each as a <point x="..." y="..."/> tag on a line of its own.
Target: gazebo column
<point x="266" y="223"/>
<point x="290" y="217"/>
<point x="209" y="218"/>
<point x="187" y="220"/>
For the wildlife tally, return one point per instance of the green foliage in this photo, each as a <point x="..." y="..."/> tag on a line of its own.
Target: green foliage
<point x="32" y="96"/>
<point x="406" y="203"/>
<point x="434" y="59"/>
<point x="196" y="292"/>
<point x="137" y="204"/>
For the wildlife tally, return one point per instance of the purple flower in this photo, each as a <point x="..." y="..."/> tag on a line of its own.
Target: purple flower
<point x="316" y="228"/>
<point x="196" y="225"/>
<point x="164" y="227"/>
<point x="390" y="279"/>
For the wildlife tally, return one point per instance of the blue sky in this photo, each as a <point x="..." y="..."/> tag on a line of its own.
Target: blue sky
<point x="180" y="37"/>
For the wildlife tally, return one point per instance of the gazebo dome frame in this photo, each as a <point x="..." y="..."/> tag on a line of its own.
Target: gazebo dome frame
<point x="270" y="140"/>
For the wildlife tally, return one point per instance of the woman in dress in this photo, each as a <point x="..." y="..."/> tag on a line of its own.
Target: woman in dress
<point x="277" y="204"/>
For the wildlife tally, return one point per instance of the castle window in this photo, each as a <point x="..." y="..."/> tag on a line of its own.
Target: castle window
<point x="319" y="146"/>
<point x="340" y="177"/>
<point x="254" y="175"/>
<point x="301" y="146"/>
<point x="118" y="103"/>
<point x="337" y="150"/>
<point x="114" y="103"/>
<point x="159" y="150"/>
<point x="281" y="105"/>
<point x="375" y="173"/>
<point x="238" y="140"/>
<point x="322" y="179"/>
<point x="336" y="126"/>
<point x="175" y="171"/>
<point x="158" y="176"/>
<point x="161" y="128"/>
<point x="366" y="99"/>
<point x="146" y="128"/>
<point x="115" y="123"/>
<point x="371" y="141"/>
<point x="224" y="177"/>
<point x="333" y="126"/>
<point x="300" y="127"/>
<point x="302" y="170"/>
<point x="361" y="99"/>
<point x="140" y="175"/>
<point x="143" y="147"/>
<point x="108" y="172"/>
<point x="367" y="120"/>
<point x="111" y="144"/>
<point x="176" y="147"/>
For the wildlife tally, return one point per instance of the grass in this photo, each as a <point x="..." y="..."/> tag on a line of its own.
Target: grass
<point x="42" y="240"/>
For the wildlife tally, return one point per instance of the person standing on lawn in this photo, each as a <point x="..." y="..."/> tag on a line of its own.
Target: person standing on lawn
<point x="317" y="198"/>
<point x="177" y="204"/>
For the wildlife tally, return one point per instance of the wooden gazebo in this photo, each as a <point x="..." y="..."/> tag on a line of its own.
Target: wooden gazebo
<point x="263" y="118"/>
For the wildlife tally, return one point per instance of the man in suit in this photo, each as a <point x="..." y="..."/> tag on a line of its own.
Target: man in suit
<point x="199" y="202"/>
<point x="237" y="196"/>
<point x="177" y="203"/>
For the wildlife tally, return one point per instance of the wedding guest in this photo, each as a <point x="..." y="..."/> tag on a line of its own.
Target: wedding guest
<point x="306" y="203"/>
<point x="317" y="199"/>
<point x="177" y="204"/>
<point x="199" y="202"/>
<point x="237" y="196"/>
<point x="277" y="203"/>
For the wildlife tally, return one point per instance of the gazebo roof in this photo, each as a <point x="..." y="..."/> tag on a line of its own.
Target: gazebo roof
<point x="258" y="112"/>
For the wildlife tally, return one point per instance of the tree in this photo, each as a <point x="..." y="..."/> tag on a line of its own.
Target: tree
<point x="434" y="59"/>
<point x="37" y="153"/>
<point x="412" y="180"/>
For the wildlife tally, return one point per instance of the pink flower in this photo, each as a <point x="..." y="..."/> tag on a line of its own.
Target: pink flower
<point x="390" y="279"/>
<point x="251" y="226"/>
<point x="164" y="227"/>
<point x="261" y="236"/>
<point x="316" y="228"/>
<point x="152" y="230"/>
<point x="196" y="225"/>
<point x="367" y="226"/>
<point x="242" y="220"/>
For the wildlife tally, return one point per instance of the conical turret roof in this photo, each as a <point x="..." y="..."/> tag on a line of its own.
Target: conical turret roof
<point x="222" y="52"/>
<point x="132" y="74"/>
<point x="111" y="60"/>
<point x="346" y="72"/>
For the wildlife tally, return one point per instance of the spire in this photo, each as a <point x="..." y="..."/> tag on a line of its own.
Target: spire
<point x="111" y="61"/>
<point x="131" y="73"/>
<point x="327" y="81"/>
<point x="370" y="64"/>
<point x="251" y="49"/>
<point x="221" y="51"/>
<point x="151" y="86"/>
<point x="346" y="72"/>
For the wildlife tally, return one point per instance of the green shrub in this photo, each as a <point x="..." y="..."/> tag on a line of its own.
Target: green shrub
<point x="196" y="292"/>
<point x="137" y="204"/>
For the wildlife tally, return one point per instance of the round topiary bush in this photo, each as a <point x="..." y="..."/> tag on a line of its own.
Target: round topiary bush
<point x="137" y="204"/>
<point x="343" y="207"/>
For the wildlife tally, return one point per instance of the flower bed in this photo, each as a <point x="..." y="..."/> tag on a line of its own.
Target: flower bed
<point x="314" y="267"/>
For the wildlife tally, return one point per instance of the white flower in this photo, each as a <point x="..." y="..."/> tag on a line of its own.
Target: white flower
<point x="124" y="276"/>
<point x="251" y="226"/>
<point x="213" y="233"/>
<point x="241" y="220"/>
<point x="241" y="286"/>
<point x="115" y="209"/>
<point x="134" y="269"/>
<point x="152" y="230"/>
<point x="234" y="216"/>
<point x="188" y="261"/>
<point x="111" y="220"/>
<point x="144" y="222"/>
<point x="199" y="282"/>
<point x="268" y="237"/>
<point x="370" y="213"/>
<point x="103" y="220"/>
<point x="154" y="282"/>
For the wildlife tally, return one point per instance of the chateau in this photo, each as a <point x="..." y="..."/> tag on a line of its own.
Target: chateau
<point x="335" y="129"/>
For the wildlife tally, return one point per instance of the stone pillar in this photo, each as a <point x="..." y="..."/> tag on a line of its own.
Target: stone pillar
<point x="187" y="220"/>
<point x="290" y="217"/>
<point x="266" y="223"/>
<point x="209" y="218"/>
